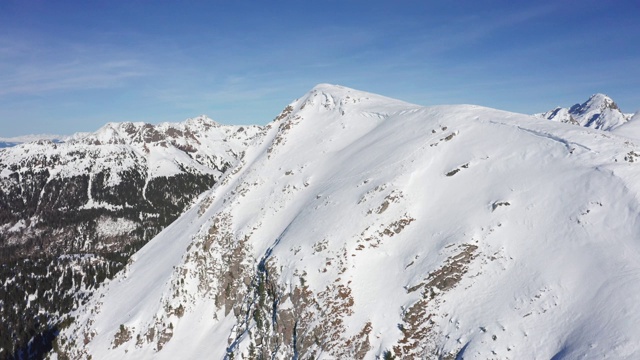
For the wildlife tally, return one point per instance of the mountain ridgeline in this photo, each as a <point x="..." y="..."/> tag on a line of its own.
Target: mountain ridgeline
<point x="351" y="226"/>
<point x="362" y="227"/>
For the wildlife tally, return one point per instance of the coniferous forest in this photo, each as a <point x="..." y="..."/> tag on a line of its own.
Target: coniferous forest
<point x="63" y="251"/>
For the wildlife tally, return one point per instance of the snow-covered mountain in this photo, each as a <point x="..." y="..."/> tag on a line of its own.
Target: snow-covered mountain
<point x="132" y="158"/>
<point x="72" y="213"/>
<point x="363" y="227"/>
<point x="599" y="112"/>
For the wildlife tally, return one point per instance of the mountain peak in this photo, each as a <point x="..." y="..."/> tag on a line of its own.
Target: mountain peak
<point x="325" y="87"/>
<point x="365" y="233"/>
<point x="598" y="112"/>
<point x="202" y="120"/>
<point x="328" y="97"/>
<point x="597" y="102"/>
<point x="332" y="93"/>
<point x="600" y="96"/>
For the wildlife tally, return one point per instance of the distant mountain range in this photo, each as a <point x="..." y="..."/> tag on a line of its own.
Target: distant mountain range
<point x="598" y="112"/>
<point x="353" y="226"/>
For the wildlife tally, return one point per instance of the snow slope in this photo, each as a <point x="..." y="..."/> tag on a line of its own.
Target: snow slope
<point x="362" y="224"/>
<point x="631" y="128"/>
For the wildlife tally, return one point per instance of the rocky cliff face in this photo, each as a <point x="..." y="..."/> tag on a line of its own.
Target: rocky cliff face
<point x="363" y="227"/>
<point x="99" y="196"/>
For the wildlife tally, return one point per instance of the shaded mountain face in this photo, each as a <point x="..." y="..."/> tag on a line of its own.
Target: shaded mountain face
<point x="599" y="112"/>
<point x="363" y="227"/>
<point x="72" y="213"/>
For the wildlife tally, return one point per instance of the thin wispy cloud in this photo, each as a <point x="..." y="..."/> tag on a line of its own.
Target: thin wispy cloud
<point x="243" y="62"/>
<point x="440" y="38"/>
<point x="31" y="70"/>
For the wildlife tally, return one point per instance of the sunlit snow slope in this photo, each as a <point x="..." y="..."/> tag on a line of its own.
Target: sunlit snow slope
<point x="361" y="225"/>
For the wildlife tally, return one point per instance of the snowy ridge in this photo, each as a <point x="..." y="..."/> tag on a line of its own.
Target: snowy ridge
<point x="599" y="112"/>
<point x="111" y="170"/>
<point x="361" y="225"/>
<point x="166" y="149"/>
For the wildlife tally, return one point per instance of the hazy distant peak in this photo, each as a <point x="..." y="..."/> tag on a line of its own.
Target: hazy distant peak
<point x="11" y="141"/>
<point x="598" y="112"/>
<point x="202" y="120"/>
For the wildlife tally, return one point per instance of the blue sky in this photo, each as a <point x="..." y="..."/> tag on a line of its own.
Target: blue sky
<point x="68" y="66"/>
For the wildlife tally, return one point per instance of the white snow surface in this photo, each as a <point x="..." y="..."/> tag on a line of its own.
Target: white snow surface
<point x="107" y="226"/>
<point x="631" y="128"/>
<point x="553" y="210"/>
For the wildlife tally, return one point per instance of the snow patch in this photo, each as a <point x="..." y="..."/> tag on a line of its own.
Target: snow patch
<point x="109" y="227"/>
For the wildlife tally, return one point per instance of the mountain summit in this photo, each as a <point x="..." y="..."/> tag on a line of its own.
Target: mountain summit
<point x="599" y="112"/>
<point x="361" y="227"/>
